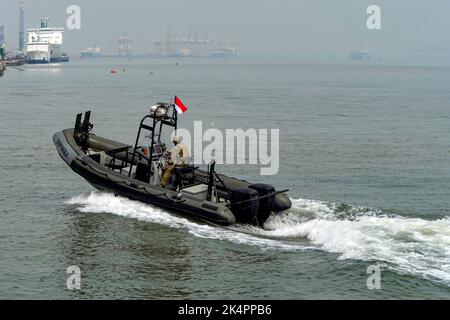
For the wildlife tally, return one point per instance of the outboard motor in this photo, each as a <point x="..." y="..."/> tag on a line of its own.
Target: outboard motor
<point x="244" y="205"/>
<point x="267" y="203"/>
<point x="282" y="202"/>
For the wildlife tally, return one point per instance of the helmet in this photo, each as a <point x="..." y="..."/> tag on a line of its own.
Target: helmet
<point x="177" y="139"/>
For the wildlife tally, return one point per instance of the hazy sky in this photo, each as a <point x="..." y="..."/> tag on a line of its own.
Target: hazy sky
<point x="281" y="27"/>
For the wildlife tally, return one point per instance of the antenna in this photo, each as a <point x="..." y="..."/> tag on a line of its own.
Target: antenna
<point x="190" y="33"/>
<point x="206" y="34"/>
<point x="196" y="34"/>
<point x="21" y="28"/>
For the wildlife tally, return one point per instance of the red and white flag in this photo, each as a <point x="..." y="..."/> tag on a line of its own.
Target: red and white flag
<point x="179" y="106"/>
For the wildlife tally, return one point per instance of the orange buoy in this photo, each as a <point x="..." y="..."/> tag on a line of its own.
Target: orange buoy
<point x="113" y="71"/>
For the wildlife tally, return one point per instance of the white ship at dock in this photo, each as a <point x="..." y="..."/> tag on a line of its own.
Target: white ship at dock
<point x="44" y="45"/>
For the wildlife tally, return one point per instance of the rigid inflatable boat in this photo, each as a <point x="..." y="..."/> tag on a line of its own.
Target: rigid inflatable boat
<point x="134" y="172"/>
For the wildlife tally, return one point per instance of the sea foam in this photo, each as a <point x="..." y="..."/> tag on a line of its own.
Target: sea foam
<point x="405" y="245"/>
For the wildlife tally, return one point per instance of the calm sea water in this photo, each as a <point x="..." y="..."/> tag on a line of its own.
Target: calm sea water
<point x="365" y="151"/>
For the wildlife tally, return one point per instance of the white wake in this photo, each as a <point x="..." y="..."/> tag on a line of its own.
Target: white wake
<point x="408" y="245"/>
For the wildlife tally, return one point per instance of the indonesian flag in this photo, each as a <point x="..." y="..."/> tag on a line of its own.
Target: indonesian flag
<point x="181" y="108"/>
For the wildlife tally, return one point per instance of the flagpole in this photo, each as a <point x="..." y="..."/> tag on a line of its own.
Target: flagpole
<point x="176" y="114"/>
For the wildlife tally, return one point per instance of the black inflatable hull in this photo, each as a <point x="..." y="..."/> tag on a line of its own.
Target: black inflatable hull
<point x="107" y="180"/>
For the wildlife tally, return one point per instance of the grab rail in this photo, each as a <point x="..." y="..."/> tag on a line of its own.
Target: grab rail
<point x="261" y="197"/>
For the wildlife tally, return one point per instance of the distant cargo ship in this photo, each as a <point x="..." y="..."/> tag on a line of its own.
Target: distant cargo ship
<point x="44" y="44"/>
<point x="64" y="57"/>
<point x="92" y="52"/>
<point x="360" y="55"/>
<point x="223" y="52"/>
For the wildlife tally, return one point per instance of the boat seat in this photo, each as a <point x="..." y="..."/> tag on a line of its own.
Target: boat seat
<point x="115" y="151"/>
<point x="184" y="175"/>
